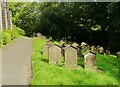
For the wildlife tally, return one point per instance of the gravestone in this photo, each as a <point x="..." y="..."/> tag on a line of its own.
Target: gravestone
<point x="79" y="50"/>
<point x="107" y="52"/>
<point x="70" y="43"/>
<point x="70" y="57"/>
<point x="85" y="48"/>
<point x="62" y="42"/>
<point x="93" y="49"/>
<point x="90" y="61"/>
<point x="97" y="48"/>
<point x="50" y="42"/>
<point x="45" y="49"/>
<point x="63" y="48"/>
<point x="54" y="54"/>
<point x="118" y="55"/>
<point x="39" y="35"/>
<point x="101" y="50"/>
<point x="75" y="45"/>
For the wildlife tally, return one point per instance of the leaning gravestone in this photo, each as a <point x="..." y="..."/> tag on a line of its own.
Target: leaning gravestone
<point x="45" y="49"/>
<point x="93" y="49"/>
<point x="101" y="50"/>
<point x="90" y="61"/>
<point x="107" y="52"/>
<point x="70" y="57"/>
<point x="118" y="55"/>
<point x="54" y="54"/>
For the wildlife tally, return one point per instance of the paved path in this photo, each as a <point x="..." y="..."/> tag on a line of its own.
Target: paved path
<point x="16" y="62"/>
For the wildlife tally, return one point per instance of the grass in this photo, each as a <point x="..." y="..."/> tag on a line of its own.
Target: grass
<point x="47" y="74"/>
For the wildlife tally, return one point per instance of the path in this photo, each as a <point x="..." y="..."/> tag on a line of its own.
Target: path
<point x="16" y="62"/>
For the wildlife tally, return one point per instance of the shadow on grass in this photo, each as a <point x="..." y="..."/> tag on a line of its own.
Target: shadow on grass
<point x="44" y="60"/>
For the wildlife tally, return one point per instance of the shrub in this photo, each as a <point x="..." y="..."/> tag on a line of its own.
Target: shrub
<point x="19" y="30"/>
<point x="5" y="38"/>
<point x="1" y="40"/>
<point x="14" y="34"/>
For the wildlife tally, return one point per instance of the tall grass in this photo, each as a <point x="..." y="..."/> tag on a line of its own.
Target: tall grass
<point x="48" y="74"/>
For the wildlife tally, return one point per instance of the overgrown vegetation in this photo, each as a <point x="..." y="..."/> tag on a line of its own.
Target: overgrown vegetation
<point x="47" y="74"/>
<point x="6" y="36"/>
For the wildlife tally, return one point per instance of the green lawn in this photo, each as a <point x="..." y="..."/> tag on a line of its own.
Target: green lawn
<point x="46" y="74"/>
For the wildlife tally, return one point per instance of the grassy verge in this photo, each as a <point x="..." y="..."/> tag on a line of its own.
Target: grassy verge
<point x="46" y="74"/>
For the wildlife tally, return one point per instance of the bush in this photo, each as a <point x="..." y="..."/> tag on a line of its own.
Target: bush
<point x="5" y="38"/>
<point x="14" y="34"/>
<point x="20" y="31"/>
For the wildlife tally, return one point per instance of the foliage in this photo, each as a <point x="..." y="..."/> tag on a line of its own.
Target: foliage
<point x="47" y="74"/>
<point x="94" y="23"/>
<point x="6" y="36"/>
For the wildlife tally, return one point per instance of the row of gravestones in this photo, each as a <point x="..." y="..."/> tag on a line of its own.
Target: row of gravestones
<point x="86" y="48"/>
<point x="70" y="53"/>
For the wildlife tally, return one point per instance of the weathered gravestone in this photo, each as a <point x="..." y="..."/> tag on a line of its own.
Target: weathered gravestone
<point x="97" y="48"/>
<point x="90" y="61"/>
<point x="93" y="49"/>
<point x="79" y="50"/>
<point x="101" y="50"/>
<point x="70" y="57"/>
<point x="45" y="49"/>
<point x="75" y="45"/>
<point x="85" y="48"/>
<point x="70" y="43"/>
<point x="107" y="52"/>
<point x="63" y="48"/>
<point x="54" y="54"/>
<point x="118" y="55"/>
<point x="50" y="42"/>
<point x="39" y="35"/>
<point x="62" y="42"/>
